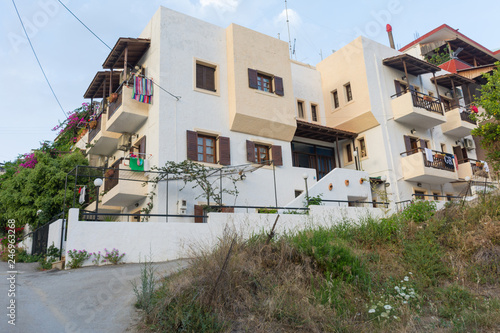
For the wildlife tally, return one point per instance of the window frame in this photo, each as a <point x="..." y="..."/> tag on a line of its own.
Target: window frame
<point x="258" y="159"/>
<point x="359" y="140"/>
<point x="348" y="92"/>
<point x="423" y="195"/>
<point x="207" y="64"/>
<point x="348" y="154"/>
<point x="314" y="112"/>
<point x="300" y="105"/>
<point x="204" y="154"/>
<point x="335" y="99"/>
<point x="260" y="82"/>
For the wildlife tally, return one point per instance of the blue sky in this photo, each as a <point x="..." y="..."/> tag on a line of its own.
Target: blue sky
<point x="71" y="56"/>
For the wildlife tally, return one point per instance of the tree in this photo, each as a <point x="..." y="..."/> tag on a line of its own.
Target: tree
<point x="489" y="120"/>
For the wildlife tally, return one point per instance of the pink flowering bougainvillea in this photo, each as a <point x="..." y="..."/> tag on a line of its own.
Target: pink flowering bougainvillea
<point x="29" y="161"/>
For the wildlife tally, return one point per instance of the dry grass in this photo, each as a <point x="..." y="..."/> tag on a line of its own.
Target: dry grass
<point x="325" y="280"/>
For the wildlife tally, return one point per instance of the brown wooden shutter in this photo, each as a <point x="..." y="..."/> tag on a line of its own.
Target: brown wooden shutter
<point x="210" y="78"/>
<point x="407" y="144"/>
<point x="224" y="151"/>
<point x="277" y="156"/>
<point x="198" y="211"/>
<point x="227" y="210"/>
<point x="252" y="79"/>
<point x="398" y="87"/>
<point x="192" y="145"/>
<point x="250" y="151"/>
<point x="458" y="151"/>
<point x="199" y="76"/>
<point x="142" y="147"/>
<point x="278" y="86"/>
<point x="423" y="143"/>
<point x="464" y="154"/>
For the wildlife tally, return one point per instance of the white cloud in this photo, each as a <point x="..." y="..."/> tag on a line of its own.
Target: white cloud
<point x="293" y="18"/>
<point x="223" y="5"/>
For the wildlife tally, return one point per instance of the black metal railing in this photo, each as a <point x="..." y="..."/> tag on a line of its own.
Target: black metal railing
<point x="440" y="160"/>
<point x="93" y="131"/>
<point x="423" y="101"/>
<point x="115" y="105"/>
<point x="465" y="115"/>
<point x="477" y="167"/>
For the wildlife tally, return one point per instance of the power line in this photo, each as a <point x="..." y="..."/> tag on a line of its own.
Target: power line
<point x="39" y="64"/>
<point x="83" y="24"/>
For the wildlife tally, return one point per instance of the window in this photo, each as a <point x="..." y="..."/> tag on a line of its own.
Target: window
<point x="205" y="77"/>
<point x="436" y="196"/>
<point x="298" y="192"/>
<point x="362" y="147"/>
<point x="261" y="152"/>
<point x="300" y="108"/>
<point x="206" y="149"/>
<point x="348" y="150"/>
<point x="335" y="97"/>
<point x="419" y="195"/>
<point x="265" y="82"/>
<point x="348" y="92"/>
<point x="314" y="112"/>
<point x="443" y="147"/>
<point x="449" y="197"/>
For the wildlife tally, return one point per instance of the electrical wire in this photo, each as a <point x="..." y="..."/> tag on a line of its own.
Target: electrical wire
<point x="84" y="24"/>
<point x="39" y="64"/>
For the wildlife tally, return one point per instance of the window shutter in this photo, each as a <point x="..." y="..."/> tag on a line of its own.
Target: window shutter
<point x="252" y="78"/>
<point x="407" y="143"/>
<point x="277" y="156"/>
<point x="210" y="78"/>
<point x="224" y="151"/>
<point x="198" y="211"/>
<point x="398" y="87"/>
<point x="199" y="76"/>
<point x="250" y="151"/>
<point x="423" y="143"/>
<point x="192" y="145"/>
<point x="278" y="86"/>
<point x="142" y="147"/>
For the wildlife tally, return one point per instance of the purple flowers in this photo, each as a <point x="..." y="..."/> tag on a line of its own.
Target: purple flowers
<point x="29" y="161"/>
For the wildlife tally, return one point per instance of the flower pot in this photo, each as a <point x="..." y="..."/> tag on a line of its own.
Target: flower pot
<point x="113" y="97"/>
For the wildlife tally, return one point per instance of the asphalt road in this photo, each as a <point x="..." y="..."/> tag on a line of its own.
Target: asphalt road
<point x="89" y="299"/>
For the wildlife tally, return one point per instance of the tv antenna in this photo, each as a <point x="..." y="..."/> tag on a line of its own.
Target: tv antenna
<point x="288" y="26"/>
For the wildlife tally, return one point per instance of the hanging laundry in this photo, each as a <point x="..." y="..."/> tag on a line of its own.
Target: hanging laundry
<point x="146" y="165"/>
<point x="136" y="164"/>
<point x="82" y="191"/>
<point x="449" y="161"/>
<point x="428" y="155"/>
<point x="456" y="161"/>
<point x="485" y="166"/>
<point x="143" y="90"/>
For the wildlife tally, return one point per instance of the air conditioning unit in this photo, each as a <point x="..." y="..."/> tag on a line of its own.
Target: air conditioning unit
<point x="124" y="142"/>
<point x="125" y="75"/>
<point x="469" y="144"/>
<point x="182" y="207"/>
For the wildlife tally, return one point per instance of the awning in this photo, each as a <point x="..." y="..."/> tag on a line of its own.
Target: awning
<point x="446" y="80"/>
<point x="414" y="65"/>
<point x="136" y="47"/>
<point x="320" y="132"/>
<point x="101" y="80"/>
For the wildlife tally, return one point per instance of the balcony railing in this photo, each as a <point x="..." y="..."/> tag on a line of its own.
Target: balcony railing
<point x="93" y="132"/>
<point x="115" y="105"/>
<point x="423" y="101"/>
<point x="441" y="160"/>
<point x="477" y="167"/>
<point x="112" y="176"/>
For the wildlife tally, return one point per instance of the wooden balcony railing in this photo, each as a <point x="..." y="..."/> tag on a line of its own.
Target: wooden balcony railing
<point x="112" y="175"/>
<point x="441" y="160"/>
<point x="423" y="101"/>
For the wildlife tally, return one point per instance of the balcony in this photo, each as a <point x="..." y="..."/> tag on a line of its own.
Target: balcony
<point x="417" y="109"/>
<point x="417" y="168"/>
<point x="471" y="168"/>
<point x="458" y="122"/>
<point x="122" y="186"/>
<point x="102" y="142"/>
<point x="126" y="115"/>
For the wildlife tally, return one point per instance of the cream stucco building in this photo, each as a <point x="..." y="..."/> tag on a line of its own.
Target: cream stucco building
<point x="232" y="97"/>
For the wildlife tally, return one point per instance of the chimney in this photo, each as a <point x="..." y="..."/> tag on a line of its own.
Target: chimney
<point x="388" y="28"/>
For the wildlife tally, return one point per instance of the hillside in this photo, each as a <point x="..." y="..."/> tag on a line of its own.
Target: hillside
<point x="417" y="271"/>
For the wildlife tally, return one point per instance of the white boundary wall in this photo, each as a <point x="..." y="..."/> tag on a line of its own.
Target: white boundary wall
<point x="174" y="240"/>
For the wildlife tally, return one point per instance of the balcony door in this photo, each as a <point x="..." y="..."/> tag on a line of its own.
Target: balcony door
<point x="314" y="157"/>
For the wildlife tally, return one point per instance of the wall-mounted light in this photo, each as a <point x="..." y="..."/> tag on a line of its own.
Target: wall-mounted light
<point x="403" y="78"/>
<point x="243" y="176"/>
<point x="419" y="184"/>
<point x="413" y="131"/>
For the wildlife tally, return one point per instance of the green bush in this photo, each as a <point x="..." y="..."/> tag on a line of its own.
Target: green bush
<point x="419" y="211"/>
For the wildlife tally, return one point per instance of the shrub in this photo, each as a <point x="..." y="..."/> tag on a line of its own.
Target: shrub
<point x="419" y="211"/>
<point x="114" y="256"/>
<point x="77" y="258"/>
